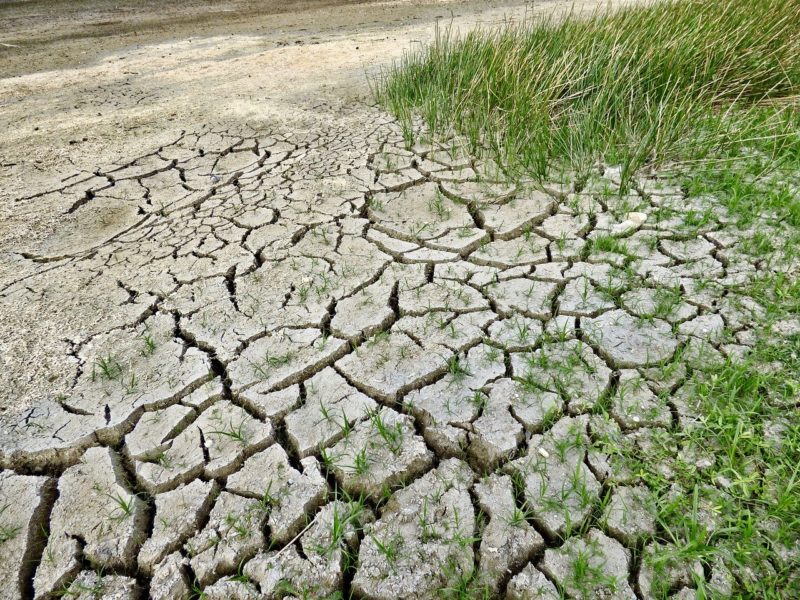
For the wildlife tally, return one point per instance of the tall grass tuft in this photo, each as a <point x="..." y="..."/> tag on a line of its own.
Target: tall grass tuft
<point x="649" y="84"/>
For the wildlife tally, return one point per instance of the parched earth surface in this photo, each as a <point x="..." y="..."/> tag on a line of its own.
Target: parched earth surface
<point x="302" y="361"/>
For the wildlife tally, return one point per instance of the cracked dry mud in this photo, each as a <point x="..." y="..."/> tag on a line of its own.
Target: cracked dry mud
<point x="274" y="324"/>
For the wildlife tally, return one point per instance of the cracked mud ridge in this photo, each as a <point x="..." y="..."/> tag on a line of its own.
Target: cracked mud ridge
<point x="332" y="364"/>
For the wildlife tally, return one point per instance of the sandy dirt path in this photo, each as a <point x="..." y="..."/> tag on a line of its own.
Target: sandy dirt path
<point x="75" y="99"/>
<point x="87" y="83"/>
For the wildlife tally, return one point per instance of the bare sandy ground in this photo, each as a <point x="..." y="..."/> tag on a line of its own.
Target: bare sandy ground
<point x="92" y="93"/>
<point x="87" y="83"/>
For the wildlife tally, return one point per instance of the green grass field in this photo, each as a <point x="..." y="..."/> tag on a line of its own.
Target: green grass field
<point x="671" y="81"/>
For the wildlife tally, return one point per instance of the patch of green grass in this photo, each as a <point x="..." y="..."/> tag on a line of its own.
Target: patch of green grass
<point x="233" y="432"/>
<point x="462" y="585"/>
<point x="149" y="344"/>
<point x="123" y="506"/>
<point x="389" y="548"/>
<point x="608" y="243"/>
<point x="456" y="370"/>
<point x="733" y="496"/>
<point x="197" y="592"/>
<point x="391" y="434"/>
<point x="271" y="362"/>
<point x="8" y="533"/>
<point x="108" y="368"/>
<point x="361" y="462"/>
<point x="76" y="590"/>
<point x="754" y="184"/>
<point x="675" y="80"/>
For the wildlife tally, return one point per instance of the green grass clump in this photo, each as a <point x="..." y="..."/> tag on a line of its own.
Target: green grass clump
<point x="673" y="80"/>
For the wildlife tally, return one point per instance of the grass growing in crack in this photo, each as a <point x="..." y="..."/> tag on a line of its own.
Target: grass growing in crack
<point x="377" y="338"/>
<point x="234" y="432"/>
<point x="346" y="520"/>
<point x="462" y="585"/>
<point x="323" y="410"/>
<point x="243" y="578"/>
<point x="264" y="367"/>
<point x="164" y="460"/>
<point x="519" y="517"/>
<point x="493" y="354"/>
<point x="267" y="499"/>
<point x="392" y="435"/>
<point x="389" y="548"/>
<point x="75" y="589"/>
<point x="361" y="462"/>
<point x="437" y="206"/>
<point x="346" y="427"/>
<point x="302" y="292"/>
<point x="341" y="522"/>
<point x="457" y="370"/>
<point x="123" y="508"/>
<point x="149" y="344"/>
<point x="131" y="384"/>
<point x="608" y="243"/>
<point x="478" y="399"/>
<point x="326" y="458"/>
<point x="197" y="593"/>
<point x="107" y="368"/>
<point x="666" y="301"/>
<point x="642" y="85"/>
<point x="586" y="577"/>
<point x="237" y="525"/>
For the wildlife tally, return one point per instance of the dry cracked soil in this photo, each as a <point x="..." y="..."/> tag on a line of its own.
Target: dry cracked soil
<point x="254" y="346"/>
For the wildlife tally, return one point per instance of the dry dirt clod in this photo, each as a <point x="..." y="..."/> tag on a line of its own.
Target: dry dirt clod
<point x="559" y="488"/>
<point x="508" y="540"/>
<point x="531" y="584"/>
<point x="24" y="501"/>
<point x="178" y="514"/>
<point x="291" y="495"/>
<point x="169" y="581"/>
<point x="423" y="534"/>
<point x="89" y="585"/>
<point x="234" y="533"/>
<point x="96" y="518"/>
<point x="378" y="454"/>
<point x="316" y="564"/>
<point x="606" y="565"/>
